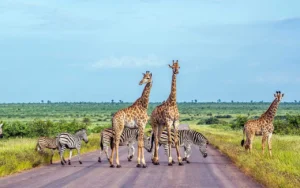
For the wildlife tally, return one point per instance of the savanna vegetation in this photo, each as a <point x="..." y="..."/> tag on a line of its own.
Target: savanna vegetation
<point x="220" y="122"/>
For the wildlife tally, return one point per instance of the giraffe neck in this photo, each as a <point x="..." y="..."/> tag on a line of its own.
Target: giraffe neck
<point x="172" y="97"/>
<point x="143" y="101"/>
<point x="271" y="112"/>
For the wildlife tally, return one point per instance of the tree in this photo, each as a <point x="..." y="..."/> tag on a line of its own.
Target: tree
<point x="42" y="101"/>
<point x="232" y="101"/>
<point x="195" y="100"/>
<point x="48" y="101"/>
<point x="86" y="120"/>
<point x="295" y="101"/>
<point x="112" y="101"/>
<point x="219" y="100"/>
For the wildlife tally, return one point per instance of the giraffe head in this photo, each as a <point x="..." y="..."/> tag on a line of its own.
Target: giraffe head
<point x="278" y="95"/>
<point x="175" y="67"/>
<point x="147" y="78"/>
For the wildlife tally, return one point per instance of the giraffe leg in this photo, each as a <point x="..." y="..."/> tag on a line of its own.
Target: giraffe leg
<point x="264" y="139"/>
<point x="251" y="142"/>
<point x="176" y="124"/>
<point x="117" y="149"/>
<point x="270" y="144"/>
<point x="169" y="145"/>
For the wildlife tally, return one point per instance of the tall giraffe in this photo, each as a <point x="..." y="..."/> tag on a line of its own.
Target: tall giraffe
<point x="167" y="115"/>
<point x="262" y="126"/>
<point x="134" y="116"/>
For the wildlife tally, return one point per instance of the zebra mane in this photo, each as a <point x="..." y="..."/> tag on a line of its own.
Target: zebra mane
<point x="83" y="129"/>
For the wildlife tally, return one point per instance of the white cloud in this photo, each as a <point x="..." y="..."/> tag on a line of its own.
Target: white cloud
<point x="128" y="62"/>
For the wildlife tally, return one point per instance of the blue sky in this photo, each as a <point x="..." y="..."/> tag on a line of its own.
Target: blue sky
<point x="76" y="50"/>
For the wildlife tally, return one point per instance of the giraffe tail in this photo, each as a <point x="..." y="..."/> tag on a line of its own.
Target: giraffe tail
<point x="243" y="141"/>
<point x="101" y="142"/>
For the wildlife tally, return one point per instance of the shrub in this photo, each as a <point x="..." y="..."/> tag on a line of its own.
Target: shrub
<point x="212" y="120"/>
<point x="239" y="122"/>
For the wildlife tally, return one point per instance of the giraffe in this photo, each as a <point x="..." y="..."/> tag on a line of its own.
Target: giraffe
<point x="134" y="116"/>
<point x="262" y="126"/>
<point x="166" y="115"/>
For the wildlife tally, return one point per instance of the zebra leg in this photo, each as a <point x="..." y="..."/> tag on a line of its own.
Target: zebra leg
<point x="78" y="151"/>
<point x="130" y="151"/>
<point x="155" y="131"/>
<point x="188" y="152"/>
<point x="176" y="124"/>
<point x="100" y="152"/>
<point x="185" y="154"/>
<point x="69" y="161"/>
<point x="62" y="150"/>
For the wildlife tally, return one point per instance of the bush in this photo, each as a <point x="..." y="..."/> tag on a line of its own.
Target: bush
<point x="38" y="128"/>
<point x="223" y="116"/>
<point x="212" y="120"/>
<point x="239" y="122"/>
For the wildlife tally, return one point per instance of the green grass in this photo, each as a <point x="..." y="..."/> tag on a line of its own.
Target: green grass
<point x="19" y="154"/>
<point x="281" y="170"/>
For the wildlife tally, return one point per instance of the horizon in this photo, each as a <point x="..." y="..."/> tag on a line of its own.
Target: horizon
<point x="91" y="51"/>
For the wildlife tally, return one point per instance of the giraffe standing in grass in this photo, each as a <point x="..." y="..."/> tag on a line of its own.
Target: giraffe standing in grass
<point x="167" y="115"/>
<point x="134" y="116"/>
<point x="262" y="126"/>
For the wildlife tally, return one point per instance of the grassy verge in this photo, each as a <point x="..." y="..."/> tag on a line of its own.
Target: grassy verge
<point x="282" y="170"/>
<point x="19" y="154"/>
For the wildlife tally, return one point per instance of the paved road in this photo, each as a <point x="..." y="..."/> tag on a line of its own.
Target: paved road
<point x="214" y="171"/>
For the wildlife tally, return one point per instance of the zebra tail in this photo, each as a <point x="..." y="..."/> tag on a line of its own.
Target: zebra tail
<point x="152" y="140"/>
<point x="243" y="141"/>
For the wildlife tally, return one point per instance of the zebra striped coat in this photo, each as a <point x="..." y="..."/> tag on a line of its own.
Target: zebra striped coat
<point x="128" y="137"/>
<point x="45" y="142"/>
<point x="186" y="138"/>
<point x="70" y="141"/>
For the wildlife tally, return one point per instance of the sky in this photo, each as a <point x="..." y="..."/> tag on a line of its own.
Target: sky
<point x="75" y="50"/>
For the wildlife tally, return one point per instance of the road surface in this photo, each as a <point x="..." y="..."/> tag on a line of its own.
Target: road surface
<point x="214" y="171"/>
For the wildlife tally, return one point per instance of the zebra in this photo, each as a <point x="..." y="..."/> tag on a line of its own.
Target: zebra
<point x="69" y="141"/>
<point x="1" y="133"/>
<point x="129" y="136"/>
<point x="185" y="138"/>
<point x="46" y="142"/>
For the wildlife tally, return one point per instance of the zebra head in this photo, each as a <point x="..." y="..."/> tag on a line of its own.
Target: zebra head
<point x="147" y="143"/>
<point x="203" y="147"/>
<point x="1" y="135"/>
<point x="82" y="135"/>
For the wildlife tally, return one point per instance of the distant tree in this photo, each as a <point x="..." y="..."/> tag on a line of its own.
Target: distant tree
<point x="42" y="101"/>
<point x="120" y="101"/>
<point x="48" y="101"/>
<point x="251" y="101"/>
<point x="112" y="101"/>
<point x="295" y="101"/>
<point x="192" y="101"/>
<point x="219" y="100"/>
<point x="232" y="101"/>
<point x="195" y="100"/>
<point x="86" y="120"/>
